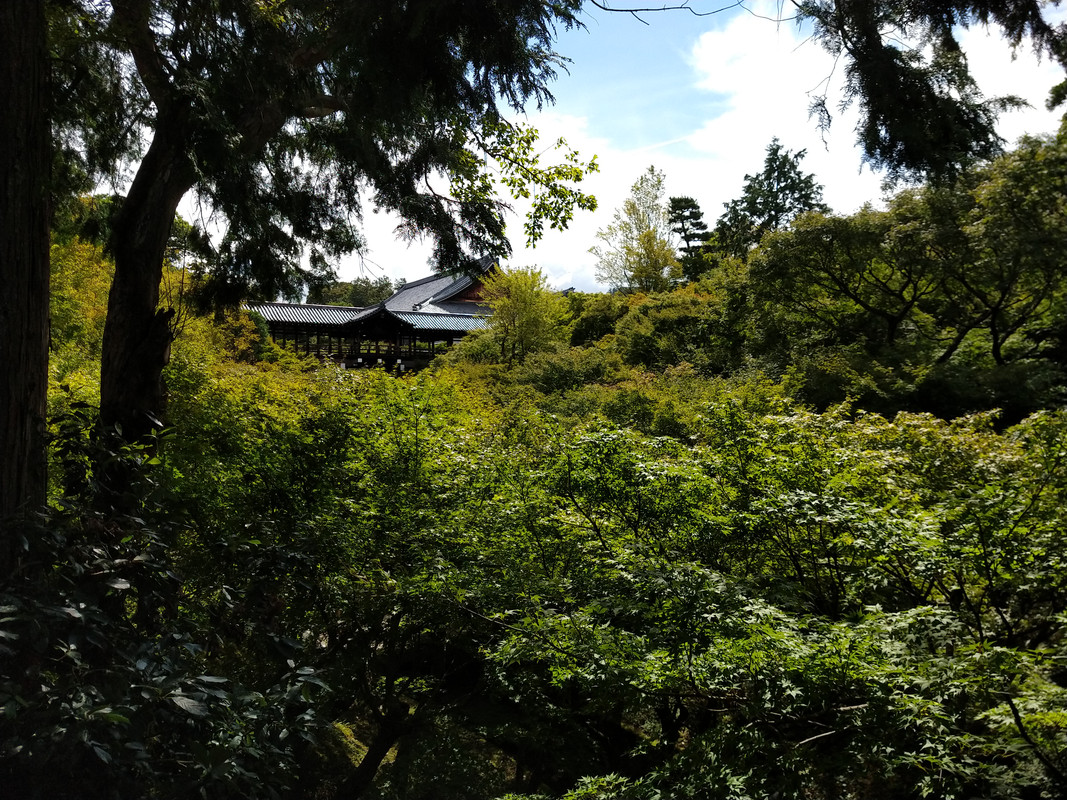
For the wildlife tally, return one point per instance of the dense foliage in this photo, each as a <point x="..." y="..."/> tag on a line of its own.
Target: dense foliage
<point x="783" y="517"/>
<point x="285" y="119"/>
<point x="280" y="113"/>
<point x="360" y="292"/>
<point x="717" y="546"/>
<point x="950" y="300"/>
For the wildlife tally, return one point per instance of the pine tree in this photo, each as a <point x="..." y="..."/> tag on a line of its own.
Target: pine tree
<point x="687" y="223"/>
<point x="769" y="201"/>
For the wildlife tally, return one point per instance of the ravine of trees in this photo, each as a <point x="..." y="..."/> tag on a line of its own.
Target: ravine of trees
<point x="784" y="518"/>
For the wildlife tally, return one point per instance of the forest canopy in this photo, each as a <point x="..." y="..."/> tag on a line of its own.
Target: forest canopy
<point x="648" y="547"/>
<point x="783" y="518"/>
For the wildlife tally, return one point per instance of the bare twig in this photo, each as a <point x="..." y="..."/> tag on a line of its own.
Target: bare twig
<point x="813" y="738"/>
<point x="683" y="6"/>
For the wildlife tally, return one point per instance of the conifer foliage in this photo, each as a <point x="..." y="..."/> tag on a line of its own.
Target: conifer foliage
<point x="771" y="199"/>
<point x="921" y="111"/>
<point x="687" y="223"/>
<point x="285" y="118"/>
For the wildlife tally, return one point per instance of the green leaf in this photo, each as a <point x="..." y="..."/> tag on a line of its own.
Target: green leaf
<point x="189" y="705"/>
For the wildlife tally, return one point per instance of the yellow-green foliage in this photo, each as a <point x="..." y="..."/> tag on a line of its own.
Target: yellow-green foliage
<point x="528" y="316"/>
<point x="461" y="549"/>
<point x="719" y="575"/>
<point x="665" y="329"/>
<point x="337" y="752"/>
<point x="81" y="277"/>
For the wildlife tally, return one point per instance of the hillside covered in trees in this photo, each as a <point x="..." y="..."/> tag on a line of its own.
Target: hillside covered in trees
<point x="617" y="545"/>
<point x="782" y="516"/>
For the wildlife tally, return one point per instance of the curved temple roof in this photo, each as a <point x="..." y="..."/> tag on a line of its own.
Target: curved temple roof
<point x="460" y="323"/>
<point x="434" y="303"/>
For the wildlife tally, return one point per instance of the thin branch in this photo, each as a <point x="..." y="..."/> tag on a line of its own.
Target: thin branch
<point x="683" y="6"/>
<point x="133" y="19"/>
<point x="1055" y="773"/>
<point x="813" y="738"/>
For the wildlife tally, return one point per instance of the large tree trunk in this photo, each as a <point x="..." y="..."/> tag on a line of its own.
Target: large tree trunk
<point x="137" y="334"/>
<point x="25" y="162"/>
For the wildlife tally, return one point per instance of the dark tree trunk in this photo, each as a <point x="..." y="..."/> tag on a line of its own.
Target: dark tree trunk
<point x="395" y="722"/>
<point x="25" y="162"/>
<point x="137" y="334"/>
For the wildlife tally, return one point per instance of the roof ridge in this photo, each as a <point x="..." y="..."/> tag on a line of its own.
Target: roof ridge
<point x="419" y="282"/>
<point x="441" y="313"/>
<point x="301" y="305"/>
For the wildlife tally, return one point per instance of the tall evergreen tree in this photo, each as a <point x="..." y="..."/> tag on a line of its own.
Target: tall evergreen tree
<point x="25" y="154"/>
<point x="284" y="118"/>
<point x="769" y="201"/>
<point x="687" y="223"/>
<point x="921" y="113"/>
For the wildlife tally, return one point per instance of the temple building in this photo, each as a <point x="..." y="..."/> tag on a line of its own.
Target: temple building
<point x="404" y="332"/>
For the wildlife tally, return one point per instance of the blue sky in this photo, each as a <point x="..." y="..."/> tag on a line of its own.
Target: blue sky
<point x="632" y="80"/>
<point x="700" y="98"/>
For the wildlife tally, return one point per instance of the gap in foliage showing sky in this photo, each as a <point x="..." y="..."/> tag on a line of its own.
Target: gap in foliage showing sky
<point x="700" y="98"/>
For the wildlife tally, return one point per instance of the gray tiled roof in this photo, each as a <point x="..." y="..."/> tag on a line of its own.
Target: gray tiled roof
<point x="465" y="307"/>
<point x="440" y="322"/>
<point x="418" y="293"/>
<point x="428" y="294"/>
<point x="366" y="313"/>
<point x="424" y="303"/>
<point x="305" y="314"/>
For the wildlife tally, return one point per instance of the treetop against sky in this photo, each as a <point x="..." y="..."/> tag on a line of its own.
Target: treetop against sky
<point x="701" y="97"/>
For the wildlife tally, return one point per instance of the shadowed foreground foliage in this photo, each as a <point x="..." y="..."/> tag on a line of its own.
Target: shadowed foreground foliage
<point x="451" y="592"/>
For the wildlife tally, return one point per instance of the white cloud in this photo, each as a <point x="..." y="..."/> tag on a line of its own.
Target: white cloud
<point x="756" y="79"/>
<point x="770" y="75"/>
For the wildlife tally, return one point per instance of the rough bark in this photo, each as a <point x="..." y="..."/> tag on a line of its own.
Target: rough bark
<point x="25" y="160"/>
<point x="137" y="334"/>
